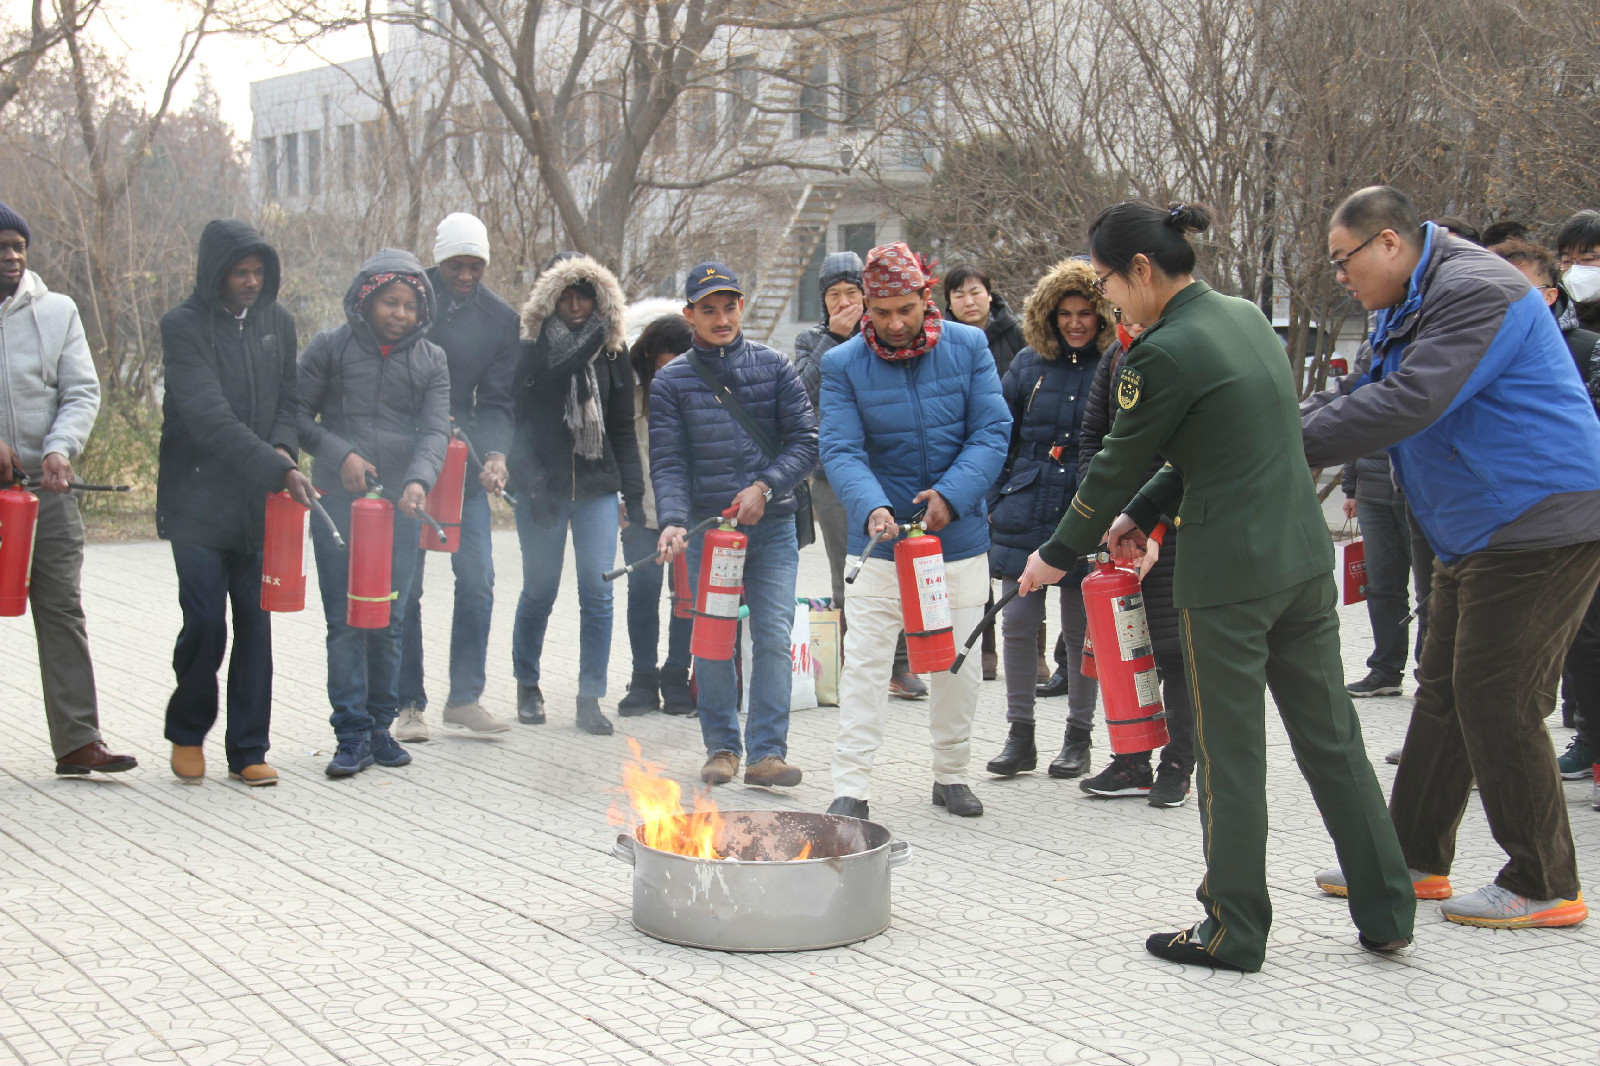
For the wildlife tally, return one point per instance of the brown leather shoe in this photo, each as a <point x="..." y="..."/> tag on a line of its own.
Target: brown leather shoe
<point x="772" y="771"/>
<point x="720" y="768"/>
<point x="256" y="775"/>
<point x="92" y="757"/>
<point x="189" y="763"/>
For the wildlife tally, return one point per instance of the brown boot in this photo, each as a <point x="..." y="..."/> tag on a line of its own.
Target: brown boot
<point x="256" y="775"/>
<point x="772" y="771"/>
<point x="720" y="768"/>
<point x="189" y="763"/>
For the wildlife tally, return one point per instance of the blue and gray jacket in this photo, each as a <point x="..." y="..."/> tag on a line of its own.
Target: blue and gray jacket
<point x="1473" y="392"/>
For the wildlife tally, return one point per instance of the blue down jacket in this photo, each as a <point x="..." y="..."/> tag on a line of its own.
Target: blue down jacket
<point x="892" y="429"/>
<point x="700" y="457"/>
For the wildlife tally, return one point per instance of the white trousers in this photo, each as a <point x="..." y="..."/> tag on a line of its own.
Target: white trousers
<point x="873" y="626"/>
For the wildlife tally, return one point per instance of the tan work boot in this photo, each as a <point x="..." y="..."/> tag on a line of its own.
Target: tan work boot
<point x="189" y="763"/>
<point x="772" y="771"/>
<point x="472" y="716"/>
<point x="410" y="727"/>
<point x="720" y="768"/>
<point x="256" y="775"/>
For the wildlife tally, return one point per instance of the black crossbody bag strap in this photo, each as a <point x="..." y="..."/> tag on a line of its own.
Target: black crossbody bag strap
<point x="726" y="398"/>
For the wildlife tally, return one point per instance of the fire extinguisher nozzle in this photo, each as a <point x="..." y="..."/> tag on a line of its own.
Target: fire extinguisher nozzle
<point x="955" y="667"/>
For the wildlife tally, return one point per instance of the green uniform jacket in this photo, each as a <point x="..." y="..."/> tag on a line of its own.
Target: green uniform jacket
<point x="1207" y="387"/>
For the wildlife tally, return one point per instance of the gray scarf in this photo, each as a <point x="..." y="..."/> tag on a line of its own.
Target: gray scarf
<point x="573" y="353"/>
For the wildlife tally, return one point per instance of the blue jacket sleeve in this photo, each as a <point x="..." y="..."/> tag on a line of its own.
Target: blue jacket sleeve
<point x="797" y="434"/>
<point x="988" y="437"/>
<point x="669" y="454"/>
<point x="844" y="453"/>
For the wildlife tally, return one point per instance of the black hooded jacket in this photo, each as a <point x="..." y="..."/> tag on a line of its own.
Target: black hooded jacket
<point x="229" y="402"/>
<point x="479" y="338"/>
<point x="394" y="410"/>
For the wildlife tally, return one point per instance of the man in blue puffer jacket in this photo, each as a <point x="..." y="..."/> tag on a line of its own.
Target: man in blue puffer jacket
<point x="702" y="461"/>
<point x="913" y="419"/>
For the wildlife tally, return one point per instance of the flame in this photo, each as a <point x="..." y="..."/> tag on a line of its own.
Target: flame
<point x="657" y="813"/>
<point x="657" y="803"/>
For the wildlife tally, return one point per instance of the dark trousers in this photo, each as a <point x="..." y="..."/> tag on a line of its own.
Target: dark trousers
<point x="1289" y="642"/>
<point x="1581" y="676"/>
<point x="1386" y="533"/>
<point x="208" y="580"/>
<point x="71" y="708"/>
<point x="644" y="613"/>
<point x="1422" y="576"/>
<point x="1499" y="627"/>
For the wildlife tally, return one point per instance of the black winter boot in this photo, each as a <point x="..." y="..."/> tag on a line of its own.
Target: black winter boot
<point x="642" y="698"/>
<point x="590" y="720"/>
<point x="1018" y="755"/>
<point x="1074" y="758"/>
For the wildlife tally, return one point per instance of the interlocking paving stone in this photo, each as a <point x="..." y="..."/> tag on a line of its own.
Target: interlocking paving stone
<point x="465" y="910"/>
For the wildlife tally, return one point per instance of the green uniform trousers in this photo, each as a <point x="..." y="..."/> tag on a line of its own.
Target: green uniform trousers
<point x="1288" y="641"/>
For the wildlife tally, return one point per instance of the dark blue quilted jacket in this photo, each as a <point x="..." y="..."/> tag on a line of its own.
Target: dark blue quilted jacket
<point x="1047" y="398"/>
<point x="937" y="421"/>
<point x="700" y="457"/>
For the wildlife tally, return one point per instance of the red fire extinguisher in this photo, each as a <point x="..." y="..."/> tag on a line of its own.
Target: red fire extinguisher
<point x="1124" y="658"/>
<point x="1086" y="666"/>
<point x="682" y="597"/>
<point x="444" y="499"/>
<point x="716" y="613"/>
<point x="19" y="516"/>
<point x="370" y="588"/>
<point x="283" y="554"/>
<point x="924" y="601"/>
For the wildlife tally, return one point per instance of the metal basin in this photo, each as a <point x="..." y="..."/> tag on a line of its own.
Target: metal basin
<point x="757" y="901"/>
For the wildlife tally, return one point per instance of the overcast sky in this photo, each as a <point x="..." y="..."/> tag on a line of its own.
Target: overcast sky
<point x="147" y="32"/>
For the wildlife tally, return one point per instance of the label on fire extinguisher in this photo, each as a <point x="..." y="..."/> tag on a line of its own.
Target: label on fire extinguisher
<point x="722" y="604"/>
<point x="1148" y="688"/>
<point x="935" y="599"/>
<point x="1133" y="632"/>
<point x="727" y="567"/>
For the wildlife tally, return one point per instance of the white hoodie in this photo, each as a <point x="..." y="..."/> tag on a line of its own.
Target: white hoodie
<point x="47" y="375"/>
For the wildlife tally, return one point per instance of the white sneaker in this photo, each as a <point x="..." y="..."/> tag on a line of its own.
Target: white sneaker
<point x="410" y="726"/>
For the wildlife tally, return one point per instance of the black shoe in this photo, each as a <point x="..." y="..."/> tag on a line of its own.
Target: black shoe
<point x="1384" y="947"/>
<point x="1056" y="686"/>
<point x="1374" y="684"/>
<point x="1171" y="787"/>
<point x="958" y="800"/>
<point x="1074" y="758"/>
<point x="991" y="666"/>
<point x="1183" y="947"/>
<point x="849" y="807"/>
<point x="530" y="704"/>
<point x="642" y="698"/>
<point x="1123" y="776"/>
<point x="590" y="720"/>
<point x="676" y="697"/>
<point x="1018" y="755"/>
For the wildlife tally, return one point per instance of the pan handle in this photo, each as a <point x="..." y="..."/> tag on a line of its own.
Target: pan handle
<point x="623" y="848"/>
<point x="899" y="852"/>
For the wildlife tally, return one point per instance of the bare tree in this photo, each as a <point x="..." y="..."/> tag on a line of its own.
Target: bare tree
<point x="43" y="33"/>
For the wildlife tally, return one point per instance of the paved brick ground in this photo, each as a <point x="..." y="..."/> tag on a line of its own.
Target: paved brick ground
<point x="463" y="911"/>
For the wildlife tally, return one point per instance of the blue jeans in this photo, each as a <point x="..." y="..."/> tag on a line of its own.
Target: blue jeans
<point x="594" y="550"/>
<point x="208" y="579"/>
<point x="363" y="664"/>
<point x="771" y="565"/>
<point x="473" y="565"/>
<point x="1386" y="534"/>
<point x="644" y="612"/>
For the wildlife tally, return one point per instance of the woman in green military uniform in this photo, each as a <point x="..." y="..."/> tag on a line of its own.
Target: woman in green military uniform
<point x="1207" y="387"/>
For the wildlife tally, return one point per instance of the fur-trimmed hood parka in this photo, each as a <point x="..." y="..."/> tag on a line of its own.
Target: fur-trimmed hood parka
<point x="574" y="437"/>
<point x="1070" y="277"/>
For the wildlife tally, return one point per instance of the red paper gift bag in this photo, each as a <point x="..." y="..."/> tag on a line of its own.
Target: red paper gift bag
<point x="1355" y="571"/>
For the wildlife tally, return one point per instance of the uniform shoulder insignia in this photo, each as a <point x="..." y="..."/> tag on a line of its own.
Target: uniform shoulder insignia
<point x="1129" y="382"/>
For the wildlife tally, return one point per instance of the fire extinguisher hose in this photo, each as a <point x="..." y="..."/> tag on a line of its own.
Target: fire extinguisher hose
<point x="655" y="557"/>
<point x="322" y="512"/>
<point x="886" y="533"/>
<point x="472" y="453"/>
<point x="988" y="616"/>
<point x="444" y="538"/>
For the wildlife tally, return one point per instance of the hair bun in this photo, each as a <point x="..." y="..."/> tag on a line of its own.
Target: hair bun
<point x="1189" y="218"/>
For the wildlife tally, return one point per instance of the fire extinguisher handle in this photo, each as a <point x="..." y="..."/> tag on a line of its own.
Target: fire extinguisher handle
<point x="322" y="512"/>
<point x="988" y="616"/>
<point x="372" y="481"/>
<point x="472" y="453"/>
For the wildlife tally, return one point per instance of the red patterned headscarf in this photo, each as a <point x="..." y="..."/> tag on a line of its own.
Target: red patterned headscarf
<point x="895" y="270"/>
<point x="378" y="281"/>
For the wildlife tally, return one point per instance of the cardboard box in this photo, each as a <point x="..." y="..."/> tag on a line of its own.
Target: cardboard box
<point x="827" y="649"/>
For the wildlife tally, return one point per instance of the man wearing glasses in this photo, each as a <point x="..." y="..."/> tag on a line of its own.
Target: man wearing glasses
<point x="1578" y="244"/>
<point x="1493" y="439"/>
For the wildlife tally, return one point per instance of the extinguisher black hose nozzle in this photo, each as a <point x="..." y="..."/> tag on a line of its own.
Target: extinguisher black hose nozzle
<point x="444" y="538"/>
<point x="316" y="505"/>
<point x="1411" y="615"/>
<point x="655" y="557"/>
<point x="472" y="453"/>
<point x="972" y="638"/>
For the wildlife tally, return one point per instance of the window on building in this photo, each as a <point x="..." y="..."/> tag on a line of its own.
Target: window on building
<point x="269" y="167"/>
<point x="291" y="164"/>
<point x="371" y="153"/>
<point x="807" y="297"/>
<point x="744" y="82"/>
<point x="314" y="163"/>
<point x="858" y="84"/>
<point x="577" y="138"/>
<point x="702" y="116"/>
<point x="858" y="237"/>
<point x="347" y="157"/>
<point x="812" y="118"/>
<point x="466" y="154"/>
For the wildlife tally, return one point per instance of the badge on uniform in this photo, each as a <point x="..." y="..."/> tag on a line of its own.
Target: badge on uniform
<point x="1129" y="382"/>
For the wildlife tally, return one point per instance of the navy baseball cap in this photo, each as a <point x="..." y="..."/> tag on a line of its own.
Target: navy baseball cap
<point x="707" y="278"/>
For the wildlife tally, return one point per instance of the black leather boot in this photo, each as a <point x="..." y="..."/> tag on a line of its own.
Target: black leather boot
<point x="590" y="720"/>
<point x="642" y="698"/>
<point x="958" y="800"/>
<point x="676" y="696"/>
<point x="530" y="704"/>
<point x="1018" y="755"/>
<point x="1074" y="758"/>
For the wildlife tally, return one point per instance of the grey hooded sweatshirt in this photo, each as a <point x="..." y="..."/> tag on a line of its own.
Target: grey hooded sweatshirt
<point x="52" y="393"/>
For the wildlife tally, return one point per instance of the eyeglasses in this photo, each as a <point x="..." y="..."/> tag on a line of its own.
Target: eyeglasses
<point x="1588" y="259"/>
<point x="1100" y="282"/>
<point x="1338" y="264"/>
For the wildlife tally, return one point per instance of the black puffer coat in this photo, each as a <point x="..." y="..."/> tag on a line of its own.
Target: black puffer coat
<point x="1097" y="422"/>
<point x="229" y="402"/>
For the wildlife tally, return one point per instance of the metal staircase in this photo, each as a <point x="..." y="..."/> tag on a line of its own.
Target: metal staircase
<point x="785" y="260"/>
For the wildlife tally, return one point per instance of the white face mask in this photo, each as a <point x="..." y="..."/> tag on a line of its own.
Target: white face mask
<point x="1582" y="283"/>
